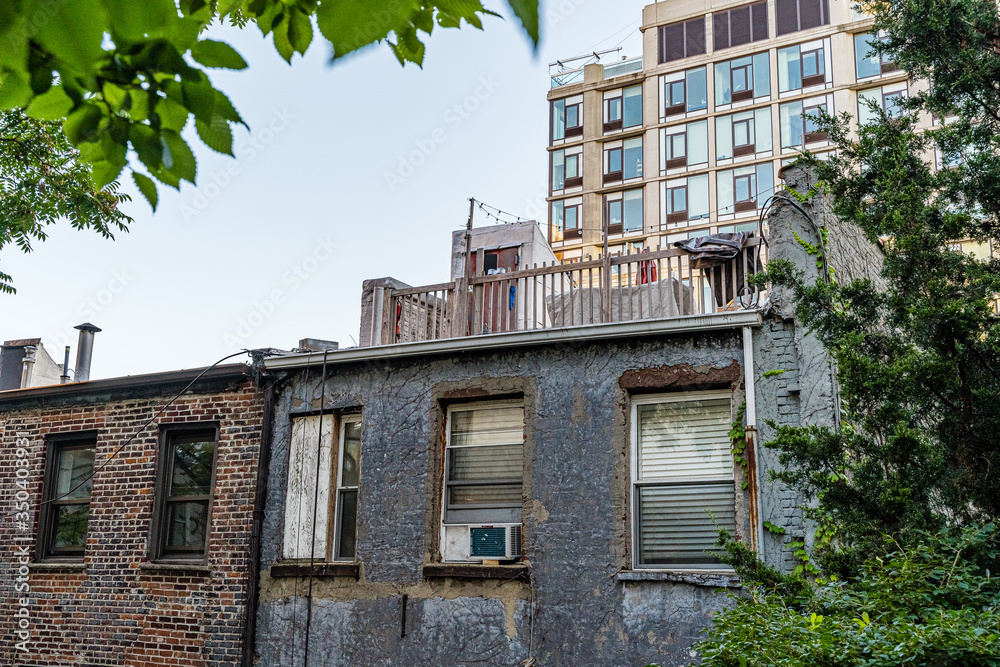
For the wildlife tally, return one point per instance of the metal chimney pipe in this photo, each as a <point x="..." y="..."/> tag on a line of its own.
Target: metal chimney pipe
<point x="64" y="378"/>
<point x="29" y="365"/>
<point x="84" y="351"/>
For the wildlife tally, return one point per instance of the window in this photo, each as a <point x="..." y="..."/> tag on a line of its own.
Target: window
<point x="684" y="145"/>
<point x="684" y="92"/>
<point x="802" y="66"/>
<point x="887" y="98"/>
<point x="566" y="168"/>
<point x="484" y="470"/>
<point x="682" y="479"/>
<point x="742" y="79"/>
<point x="623" y="160"/>
<point x="795" y="15"/>
<point x="800" y="122"/>
<point x="566" y="219"/>
<point x="623" y="109"/>
<point x="63" y="531"/>
<point x="683" y="199"/>
<point x="311" y="461"/>
<point x="185" y="489"/>
<point x="743" y="190"/>
<point x="567" y="118"/>
<point x="743" y="134"/>
<point x="868" y="62"/>
<point x="682" y="40"/>
<point x="740" y="26"/>
<point x="623" y="211"/>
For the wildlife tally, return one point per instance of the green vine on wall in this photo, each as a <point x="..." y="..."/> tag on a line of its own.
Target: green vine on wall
<point x="738" y="442"/>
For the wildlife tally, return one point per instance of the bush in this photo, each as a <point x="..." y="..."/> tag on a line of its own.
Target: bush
<point x="933" y="604"/>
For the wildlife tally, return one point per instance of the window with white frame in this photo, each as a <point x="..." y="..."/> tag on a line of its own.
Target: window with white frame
<point x="684" y="145"/>
<point x="742" y="79"/>
<point x="867" y="61"/>
<point x="567" y="119"/>
<point x="804" y="66"/>
<point x="566" y="222"/>
<point x="886" y="98"/>
<point x="742" y="134"/>
<point x="799" y="121"/>
<point x="623" y="211"/>
<point x="743" y="190"/>
<point x="483" y="476"/>
<point x="683" y="200"/>
<point x="321" y="498"/>
<point x="623" y="160"/>
<point x="683" y="481"/>
<point x="567" y="168"/>
<point x="684" y="92"/>
<point x="623" y="108"/>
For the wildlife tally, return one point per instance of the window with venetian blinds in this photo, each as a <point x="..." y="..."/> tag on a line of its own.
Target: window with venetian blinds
<point x="682" y="479"/>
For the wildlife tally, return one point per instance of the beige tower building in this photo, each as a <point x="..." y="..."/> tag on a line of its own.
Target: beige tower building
<point x="689" y="139"/>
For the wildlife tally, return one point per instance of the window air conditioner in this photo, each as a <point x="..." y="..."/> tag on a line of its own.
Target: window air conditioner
<point x="495" y="542"/>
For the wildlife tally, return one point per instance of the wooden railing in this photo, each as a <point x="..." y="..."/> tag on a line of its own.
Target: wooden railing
<point x="662" y="283"/>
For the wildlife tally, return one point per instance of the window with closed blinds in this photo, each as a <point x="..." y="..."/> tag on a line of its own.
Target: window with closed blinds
<point x="484" y="463"/>
<point x="740" y="26"/>
<point x="683" y="478"/>
<point x="794" y="15"/>
<point x="682" y="40"/>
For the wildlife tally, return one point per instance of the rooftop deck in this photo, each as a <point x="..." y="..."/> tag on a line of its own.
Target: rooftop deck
<point x="659" y="284"/>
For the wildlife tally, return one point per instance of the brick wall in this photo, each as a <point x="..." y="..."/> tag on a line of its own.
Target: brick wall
<point x="115" y="608"/>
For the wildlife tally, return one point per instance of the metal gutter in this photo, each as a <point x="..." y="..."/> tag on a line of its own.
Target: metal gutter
<point x="589" y="332"/>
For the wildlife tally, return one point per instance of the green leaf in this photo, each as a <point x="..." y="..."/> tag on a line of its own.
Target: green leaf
<point x="211" y="53"/>
<point x="177" y="156"/>
<point x="136" y="20"/>
<point x="353" y="24"/>
<point x="146" y="142"/>
<point x="225" y="108"/>
<point x="104" y="172"/>
<point x="73" y="32"/>
<point x="82" y="124"/>
<point x="146" y="187"/>
<point x="300" y="30"/>
<point x="281" y="43"/>
<point x="14" y="92"/>
<point x="527" y="12"/>
<point x="217" y="135"/>
<point x="173" y="116"/>
<point x="199" y="97"/>
<point x="52" y="105"/>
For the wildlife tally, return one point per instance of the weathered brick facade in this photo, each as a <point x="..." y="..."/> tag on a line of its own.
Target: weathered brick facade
<point x="115" y="607"/>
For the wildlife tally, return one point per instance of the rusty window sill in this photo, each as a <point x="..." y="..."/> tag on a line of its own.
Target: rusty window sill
<point x="714" y="579"/>
<point x="318" y="570"/>
<point x="516" y="572"/>
<point x="197" y="569"/>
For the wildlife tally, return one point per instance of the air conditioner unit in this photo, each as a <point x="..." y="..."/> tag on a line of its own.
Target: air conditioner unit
<point x="494" y="542"/>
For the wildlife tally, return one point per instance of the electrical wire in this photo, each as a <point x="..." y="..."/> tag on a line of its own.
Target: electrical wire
<point x="142" y="428"/>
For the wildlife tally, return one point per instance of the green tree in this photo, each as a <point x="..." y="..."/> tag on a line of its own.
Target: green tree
<point x="905" y="483"/>
<point x="42" y="180"/>
<point x="123" y="78"/>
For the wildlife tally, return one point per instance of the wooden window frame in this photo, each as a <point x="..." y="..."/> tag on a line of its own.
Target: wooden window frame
<point x="158" y="533"/>
<point x="574" y="130"/>
<point x="343" y="420"/>
<point x="572" y="181"/>
<point x="675" y="109"/>
<point x="575" y="232"/>
<point x="47" y="516"/>
<point x="620" y="227"/>
<point x="744" y="205"/>
<point x="739" y="150"/>
<point x="743" y="94"/>
<point x="675" y="162"/>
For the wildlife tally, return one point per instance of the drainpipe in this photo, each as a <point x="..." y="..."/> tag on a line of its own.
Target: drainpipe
<point x="753" y="461"/>
<point x="84" y="351"/>
<point x="29" y="365"/>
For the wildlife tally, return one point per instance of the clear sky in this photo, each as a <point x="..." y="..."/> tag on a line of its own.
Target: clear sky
<point x="353" y="171"/>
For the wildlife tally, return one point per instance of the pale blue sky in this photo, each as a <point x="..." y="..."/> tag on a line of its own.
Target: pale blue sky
<point x="354" y="171"/>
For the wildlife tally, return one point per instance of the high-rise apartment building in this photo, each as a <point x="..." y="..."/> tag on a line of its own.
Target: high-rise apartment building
<point x="689" y="138"/>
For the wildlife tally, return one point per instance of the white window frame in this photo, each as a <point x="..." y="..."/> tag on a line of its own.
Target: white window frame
<point x="352" y="418"/>
<point x="635" y="482"/>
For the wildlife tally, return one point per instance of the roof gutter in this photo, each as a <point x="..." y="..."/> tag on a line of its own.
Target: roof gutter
<point x="554" y="336"/>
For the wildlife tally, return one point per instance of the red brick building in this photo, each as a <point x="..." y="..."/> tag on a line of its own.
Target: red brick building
<point x="127" y="536"/>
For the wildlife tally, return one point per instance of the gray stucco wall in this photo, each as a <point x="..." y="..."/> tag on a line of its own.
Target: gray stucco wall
<point x="575" y="517"/>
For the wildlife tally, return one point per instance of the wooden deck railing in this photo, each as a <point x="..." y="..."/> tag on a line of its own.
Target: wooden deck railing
<point x="647" y="285"/>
